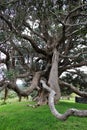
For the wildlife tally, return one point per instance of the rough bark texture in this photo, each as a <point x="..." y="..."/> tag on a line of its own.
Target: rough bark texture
<point x="42" y="97"/>
<point x="53" y="77"/>
<point x="24" y="93"/>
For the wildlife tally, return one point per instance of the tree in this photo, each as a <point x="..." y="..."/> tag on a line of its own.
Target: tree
<point x="79" y="80"/>
<point x="41" y="40"/>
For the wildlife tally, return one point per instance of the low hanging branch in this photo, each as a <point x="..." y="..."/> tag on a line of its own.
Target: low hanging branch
<point x="12" y="85"/>
<point x="69" y="112"/>
<point x="74" y="89"/>
<point x="54" y="83"/>
<point x="34" y="85"/>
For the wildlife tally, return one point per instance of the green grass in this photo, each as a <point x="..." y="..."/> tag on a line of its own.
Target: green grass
<point x="17" y="116"/>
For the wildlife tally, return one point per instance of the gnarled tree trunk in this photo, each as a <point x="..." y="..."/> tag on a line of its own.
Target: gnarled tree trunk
<point x="52" y="81"/>
<point x="53" y="77"/>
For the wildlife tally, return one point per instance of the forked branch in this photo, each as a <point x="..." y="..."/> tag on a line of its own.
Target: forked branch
<point x="74" y="10"/>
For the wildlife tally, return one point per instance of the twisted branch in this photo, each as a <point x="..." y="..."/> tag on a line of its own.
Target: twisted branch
<point x="69" y="112"/>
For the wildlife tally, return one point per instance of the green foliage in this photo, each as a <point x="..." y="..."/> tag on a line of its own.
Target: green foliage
<point x="12" y="94"/>
<point x="2" y="36"/>
<point x="17" y="116"/>
<point x="73" y="95"/>
<point x="80" y="80"/>
<point x="11" y="74"/>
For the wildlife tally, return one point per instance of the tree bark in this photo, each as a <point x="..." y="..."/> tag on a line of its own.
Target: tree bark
<point x="53" y="77"/>
<point x="24" y="93"/>
<point x="69" y="112"/>
<point x="74" y="89"/>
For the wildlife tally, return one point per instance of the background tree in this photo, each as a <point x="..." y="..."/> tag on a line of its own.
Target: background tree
<point x="79" y="80"/>
<point x="41" y="40"/>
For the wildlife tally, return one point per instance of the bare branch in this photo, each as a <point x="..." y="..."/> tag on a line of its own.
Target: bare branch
<point x="73" y="65"/>
<point x="26" y="37"/>
<point x="75" y="31"/>
<point x="69" y="112"/>
<point x="33" y="86"/>
<point x="74" y="10"/>
<point x="75" y="90"/>
<point x="77" y="24"/>
<point x="33" y="43"/>
<point x="62" y="35"/>
<point x="57" y="18"/>
<point x="73" y="57"/>
<point x="7" y="21"/>
<point x="23" y="75"/>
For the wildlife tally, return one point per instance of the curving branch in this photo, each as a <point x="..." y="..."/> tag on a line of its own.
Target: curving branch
<point x="69" y="112"/>
<point x="26" y="37"/>
<point x="77" y="24"/>
<point x="75" y="90"/>
<point x="34" y="45"/>
<point x="7" y="21"/>
<point x="23" y="75"/>
<point x="74" y="10"/>
<point x="73" y="57"/>
<point x="33" y="86"/>
<point x="63" y="68"/>
<point x="62" y="35"/>
<point x="63" y="24"/>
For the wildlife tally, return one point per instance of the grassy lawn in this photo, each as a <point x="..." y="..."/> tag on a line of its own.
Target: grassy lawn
<point x="17" y="116"/>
